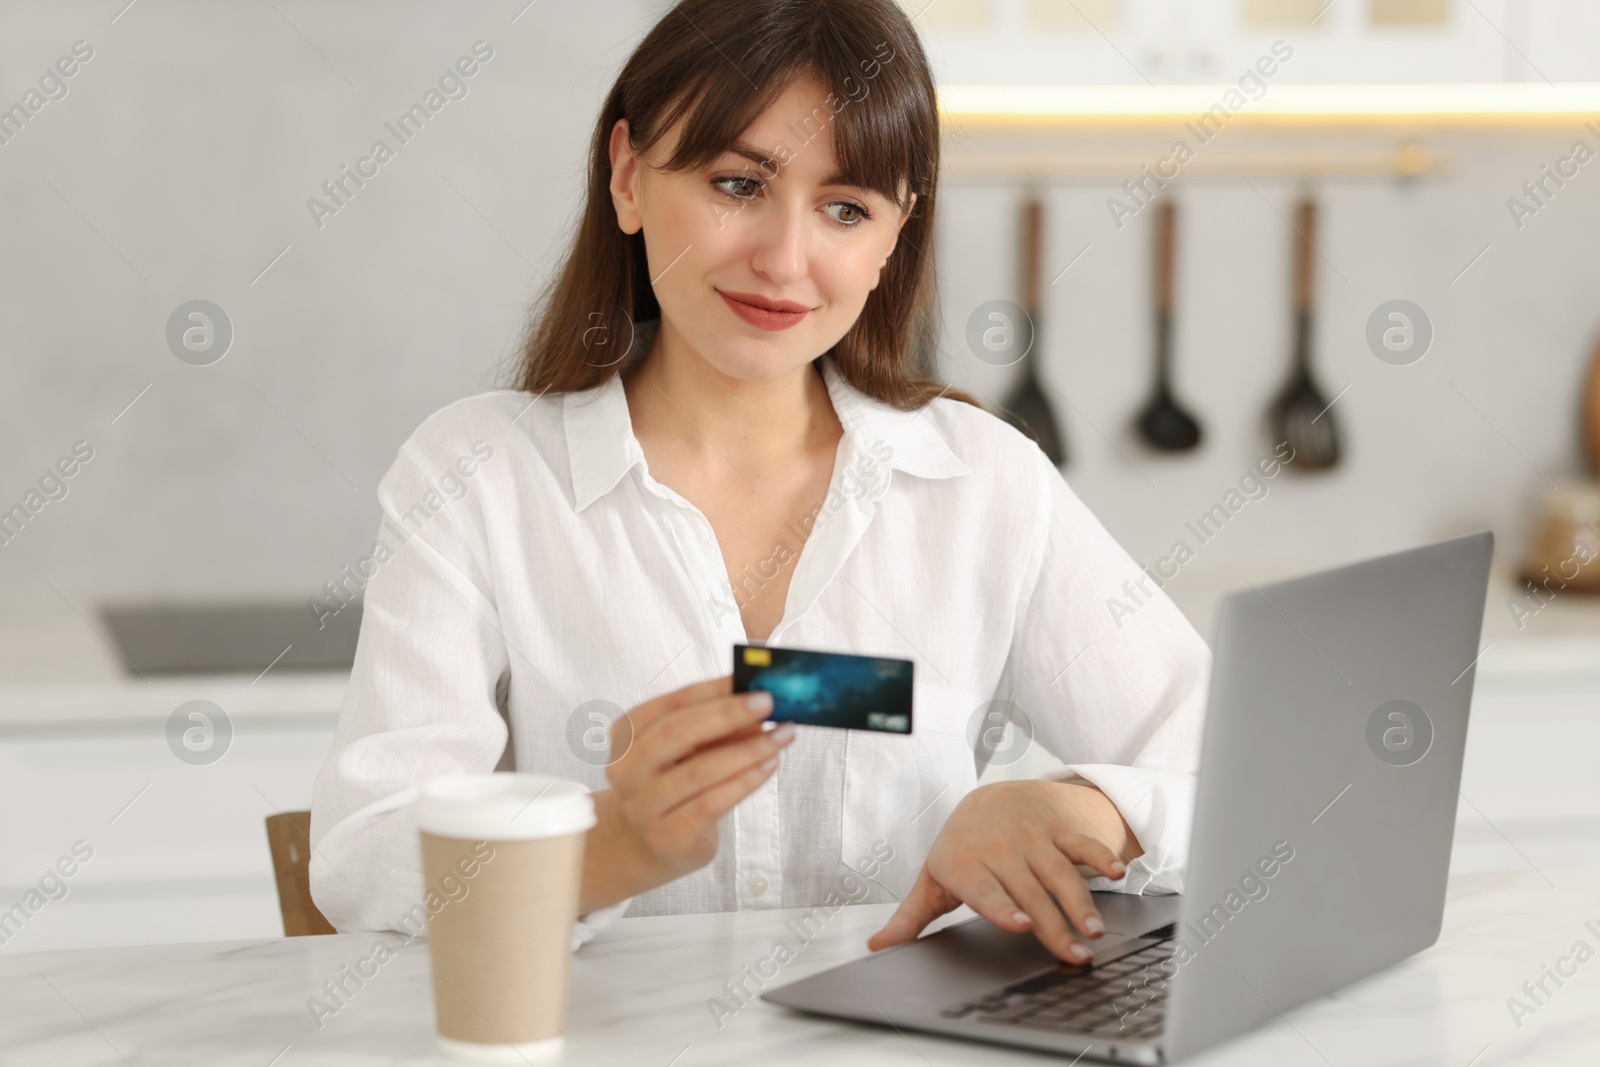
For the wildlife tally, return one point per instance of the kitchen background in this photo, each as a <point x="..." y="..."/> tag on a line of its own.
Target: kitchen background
<point x="176" y="162"/>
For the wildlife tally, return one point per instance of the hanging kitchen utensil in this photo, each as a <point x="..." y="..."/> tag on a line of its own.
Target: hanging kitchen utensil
<point x="1300" y="415"/>
<point x="1591" y="416"/>
<point x="1163" y="423"/>
<point x="1026" y="408"/>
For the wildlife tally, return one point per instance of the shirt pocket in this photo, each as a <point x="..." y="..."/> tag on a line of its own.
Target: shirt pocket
<point x="900" y="788"/>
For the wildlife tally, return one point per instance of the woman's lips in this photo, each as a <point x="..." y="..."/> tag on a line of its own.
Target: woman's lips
<point x="763" y="318"/>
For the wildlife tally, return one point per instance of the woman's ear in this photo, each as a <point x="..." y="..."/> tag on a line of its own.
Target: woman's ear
<point x="898" y="227"/>
<point x="909" y="208"/>
<point x="625" y="168"/>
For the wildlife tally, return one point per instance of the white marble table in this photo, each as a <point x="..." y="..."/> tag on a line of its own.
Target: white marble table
<point x="641" y="993"/>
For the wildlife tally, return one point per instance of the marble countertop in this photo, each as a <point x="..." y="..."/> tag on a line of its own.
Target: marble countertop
<point x="641" y="994"/>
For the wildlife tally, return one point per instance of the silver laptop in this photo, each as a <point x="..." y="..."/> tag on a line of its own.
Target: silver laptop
<point x="1324" y="815"/>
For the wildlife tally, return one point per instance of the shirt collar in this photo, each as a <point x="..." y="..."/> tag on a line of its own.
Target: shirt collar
<point x="601" y="447"/>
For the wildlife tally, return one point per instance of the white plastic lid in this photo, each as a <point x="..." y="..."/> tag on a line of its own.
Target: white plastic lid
<point x="503" y="806"/>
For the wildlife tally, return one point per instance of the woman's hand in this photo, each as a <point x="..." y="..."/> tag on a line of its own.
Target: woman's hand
<point x="678" y="762"/>
<point x="1004" y="850"/>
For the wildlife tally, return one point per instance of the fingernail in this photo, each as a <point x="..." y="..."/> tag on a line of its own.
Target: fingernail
<point x="1078" y="952"/>
<point x="1094" y="926"/>
<point x="1117" y="867"/>
<point x="782" y="733"/>
<point x="759" y="702"/>
<point x="1021" y="917"/>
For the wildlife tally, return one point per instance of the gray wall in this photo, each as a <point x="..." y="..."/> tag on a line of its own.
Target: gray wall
<point x="179" y="164"/>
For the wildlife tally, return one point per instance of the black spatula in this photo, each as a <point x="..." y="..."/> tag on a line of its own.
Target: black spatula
<point x="1301" y="415"/>
<point x="1026" y="408"/>
<point x="1163" y="423"/>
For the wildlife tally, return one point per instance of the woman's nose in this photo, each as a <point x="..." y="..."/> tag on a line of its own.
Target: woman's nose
<point x="781" y="244"/>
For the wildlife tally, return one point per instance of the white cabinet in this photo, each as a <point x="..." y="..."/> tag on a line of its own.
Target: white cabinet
<point x="1530" y="797"/>
<point x="1109" y="42"/>
<point x="1347" y="42"/>
<point x="179" y="851"/>
<point x="1563" y="40"/>
<point x="1218" y="41"/>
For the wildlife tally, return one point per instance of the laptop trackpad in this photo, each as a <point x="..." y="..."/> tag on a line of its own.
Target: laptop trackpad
<point x="962" y="961"/>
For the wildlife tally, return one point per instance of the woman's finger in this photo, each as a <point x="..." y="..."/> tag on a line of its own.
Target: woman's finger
<point x="680" y="733"/>
<point x="1091" y="852"/>
<point x="652" y="711"/>
<point x="706" y="807"/>
<point x="1059" y="875"/>
<point x="926" y="902"/>
<point x="985" y="894"/>
<point x="1019" y="880"/>
<point x="624" y="762"/>
<point x="717" y="763"/>
<point x="756" y="726"/>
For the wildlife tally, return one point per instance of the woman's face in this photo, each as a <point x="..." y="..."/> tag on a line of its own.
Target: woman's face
<point x="779" y="232"/>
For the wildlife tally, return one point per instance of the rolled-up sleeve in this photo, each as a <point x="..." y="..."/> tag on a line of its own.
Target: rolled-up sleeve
<point x="421" y="699"/>
<point x="1112" y="679"/>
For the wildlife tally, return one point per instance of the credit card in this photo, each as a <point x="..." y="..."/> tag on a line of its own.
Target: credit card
<point x="828" y="688"/>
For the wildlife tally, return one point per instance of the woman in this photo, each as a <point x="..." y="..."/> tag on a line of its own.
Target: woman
<point x="721" y="435"/>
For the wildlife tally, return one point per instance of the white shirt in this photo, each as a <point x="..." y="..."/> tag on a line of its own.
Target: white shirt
<point x="529" y="565"/>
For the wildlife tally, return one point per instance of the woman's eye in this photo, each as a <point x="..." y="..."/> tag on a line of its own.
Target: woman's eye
<point x="722" y="183"/>
<point x="861" y="213"/>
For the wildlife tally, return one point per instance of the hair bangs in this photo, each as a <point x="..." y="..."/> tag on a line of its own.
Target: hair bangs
<point x="871" y="146"/>
<point x="876" y="134"/>
<point x="716" y="113"/>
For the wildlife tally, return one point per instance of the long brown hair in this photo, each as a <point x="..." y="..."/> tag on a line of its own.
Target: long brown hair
<point x="722" y="63"/>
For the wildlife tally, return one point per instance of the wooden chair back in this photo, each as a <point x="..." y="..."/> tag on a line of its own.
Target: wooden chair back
<point x="289" y="837"/>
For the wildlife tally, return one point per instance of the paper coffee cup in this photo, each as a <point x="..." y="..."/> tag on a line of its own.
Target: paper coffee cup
<point x="504" y="851"/>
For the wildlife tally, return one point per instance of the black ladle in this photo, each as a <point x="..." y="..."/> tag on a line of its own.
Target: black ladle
<point x="1026" y="408"/>
<point x="1163" y="423"/>
<point x="1301" y="415"/>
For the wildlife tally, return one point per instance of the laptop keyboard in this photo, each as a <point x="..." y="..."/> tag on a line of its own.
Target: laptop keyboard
<point x="1125" y="998"/>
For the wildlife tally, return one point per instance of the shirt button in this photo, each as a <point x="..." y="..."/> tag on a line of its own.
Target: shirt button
<point x="759" y="884"/>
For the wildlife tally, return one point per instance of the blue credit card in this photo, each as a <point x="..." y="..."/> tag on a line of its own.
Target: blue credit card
<point x="828" y="688"/>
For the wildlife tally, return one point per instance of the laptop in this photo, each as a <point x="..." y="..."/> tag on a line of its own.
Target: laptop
<point x="1324" y="814"/>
